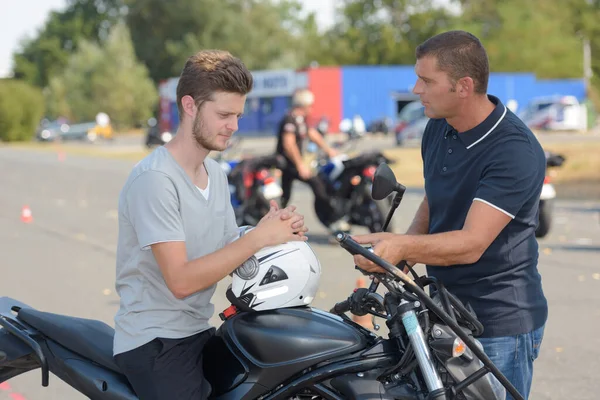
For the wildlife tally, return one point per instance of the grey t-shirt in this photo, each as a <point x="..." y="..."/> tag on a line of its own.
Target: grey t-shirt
<point x="160" y="203"/>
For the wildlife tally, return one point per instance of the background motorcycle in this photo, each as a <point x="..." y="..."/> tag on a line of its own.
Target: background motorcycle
<point x="154" y="136"/>
<point x="290" y="353"/>
<point x="349" y="182"/>
<point x="252" y="185"/>
<point x="548" y="196"/>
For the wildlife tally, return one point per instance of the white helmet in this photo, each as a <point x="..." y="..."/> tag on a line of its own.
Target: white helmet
<point x="303" y="98"/>
<point x="286" y="275"/>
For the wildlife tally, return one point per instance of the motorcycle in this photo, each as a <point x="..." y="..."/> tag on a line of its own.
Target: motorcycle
<point x="252" y="186"/>
<point x="349" y="182"/>
<point x="156" y="137"/>
<point x="548" y="196"/>
<point x="296" y="353"/>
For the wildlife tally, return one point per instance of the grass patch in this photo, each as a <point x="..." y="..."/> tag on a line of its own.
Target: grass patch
<point x="582" y="162"/>
<point x="408" y="166"/>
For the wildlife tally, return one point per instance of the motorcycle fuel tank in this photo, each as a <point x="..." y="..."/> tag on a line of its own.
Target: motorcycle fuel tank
<point x="254" y="352"/>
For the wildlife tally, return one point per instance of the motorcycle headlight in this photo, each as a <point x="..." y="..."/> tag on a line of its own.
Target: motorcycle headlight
<point x="166" y="136"/>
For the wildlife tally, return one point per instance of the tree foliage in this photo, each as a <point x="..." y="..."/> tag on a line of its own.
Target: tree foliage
<point x="104" y="78"/>
<point x="21" y="108"/>
<point x="263" y="33"/>
<point x="47" y="54"/>
<point x="540" y="36"/>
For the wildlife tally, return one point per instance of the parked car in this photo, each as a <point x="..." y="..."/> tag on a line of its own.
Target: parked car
<point x="410" y="117"/>
<point x="555" y="113"/>
<point x="49" y="131"/>
<point x="88" y="131"/>
<point x="381" y="125"/>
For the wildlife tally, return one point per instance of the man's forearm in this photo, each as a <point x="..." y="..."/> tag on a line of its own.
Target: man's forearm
<point x="316" y="137"/>
<point x="441" y="249"/>
<point x="291" y="150"/>
<point x="201" y="273"/>
<point x="420" y="224"/>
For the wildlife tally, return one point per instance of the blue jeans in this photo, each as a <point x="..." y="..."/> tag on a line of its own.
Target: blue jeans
<point x="514" y="356"/>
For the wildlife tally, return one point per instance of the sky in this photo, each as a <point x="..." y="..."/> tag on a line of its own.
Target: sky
<point x="25" y="17"/>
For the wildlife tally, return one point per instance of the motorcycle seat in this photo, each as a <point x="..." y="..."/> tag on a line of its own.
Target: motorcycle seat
<point x="87" y="337"/>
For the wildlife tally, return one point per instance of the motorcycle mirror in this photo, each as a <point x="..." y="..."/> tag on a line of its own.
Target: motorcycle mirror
<point x="384" y="183"/>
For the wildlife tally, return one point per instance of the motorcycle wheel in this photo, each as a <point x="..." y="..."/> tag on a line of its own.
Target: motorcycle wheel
<point x="377" y="212"/>
<point x="545" y="218"/>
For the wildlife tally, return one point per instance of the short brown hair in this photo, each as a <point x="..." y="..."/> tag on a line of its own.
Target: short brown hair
<point x="459" y="54"/>
<point x="211" y="71"/>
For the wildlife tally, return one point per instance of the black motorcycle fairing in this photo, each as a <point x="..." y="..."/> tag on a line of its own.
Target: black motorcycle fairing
<point x="16" y="357"/>
<point x="90" y="338"/>
<point x="374" y="157"/>
<point x="22" y="352"/>
<point x="268" y="162"/>
<point x="245" y="391"/>
<point x="271" y="346"/>
<point x="222" y="368"/>
<point x="362" y="386"/>
<point x="344" y="188"/>
<point x="94" y="381"/>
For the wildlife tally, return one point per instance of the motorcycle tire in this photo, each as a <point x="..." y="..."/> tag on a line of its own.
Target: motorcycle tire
<point x="545" y="218"/>
<point x="380" y="208"/>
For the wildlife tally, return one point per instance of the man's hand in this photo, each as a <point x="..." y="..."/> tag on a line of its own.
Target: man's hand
<point x="304" y="172"/>
<point x="285" y="214"/>
<point x="331" y="152"/>
<point x="384" y="245"/>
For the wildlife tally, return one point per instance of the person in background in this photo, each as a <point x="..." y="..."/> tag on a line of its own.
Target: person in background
<point x="292" y="132"/>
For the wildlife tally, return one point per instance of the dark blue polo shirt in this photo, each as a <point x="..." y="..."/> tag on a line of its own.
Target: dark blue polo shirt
<point x="500" y="163"/>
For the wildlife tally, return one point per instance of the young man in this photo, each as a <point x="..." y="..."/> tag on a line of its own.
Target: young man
<point x="292" y="132"/>
<point x="178" y="237"/>
<point x="475" y="229"/>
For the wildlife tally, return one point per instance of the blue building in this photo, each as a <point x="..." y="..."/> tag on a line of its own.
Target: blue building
<point x="373" y="92"/>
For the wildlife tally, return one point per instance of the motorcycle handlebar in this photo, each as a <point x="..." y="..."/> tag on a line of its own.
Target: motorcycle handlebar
<point x="341" y="307"/>
<point x="352" y="247"/>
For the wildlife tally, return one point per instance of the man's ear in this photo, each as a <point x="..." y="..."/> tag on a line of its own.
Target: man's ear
<point x="189" y="106"/>
<point x="465" y="86"/>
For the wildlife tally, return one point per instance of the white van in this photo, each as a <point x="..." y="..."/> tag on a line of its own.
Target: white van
<point x="556" y="113"/>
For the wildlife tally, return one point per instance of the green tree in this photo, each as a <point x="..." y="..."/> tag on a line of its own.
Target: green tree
<point x="526" y="36"/>
<point x="104" y="78"/>
<point x="542" y="36"/>
<point x="263" y="33"/>
<point x="382" y="31"/>
<point x="41" y="57"/>
<point x="21" y="109"/>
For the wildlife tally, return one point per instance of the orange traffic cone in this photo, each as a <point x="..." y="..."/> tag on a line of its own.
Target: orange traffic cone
<point x="365" y="320"/>
<point x="26" y="216"/>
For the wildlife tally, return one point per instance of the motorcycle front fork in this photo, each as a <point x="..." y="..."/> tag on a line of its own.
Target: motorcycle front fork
<point x="419" y="345"/>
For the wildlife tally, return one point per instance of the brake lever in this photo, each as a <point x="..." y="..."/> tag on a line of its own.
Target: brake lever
<point x="374" y="302"/>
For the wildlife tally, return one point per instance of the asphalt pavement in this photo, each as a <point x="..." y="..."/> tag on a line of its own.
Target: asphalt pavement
<point x="63" y="261"/>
